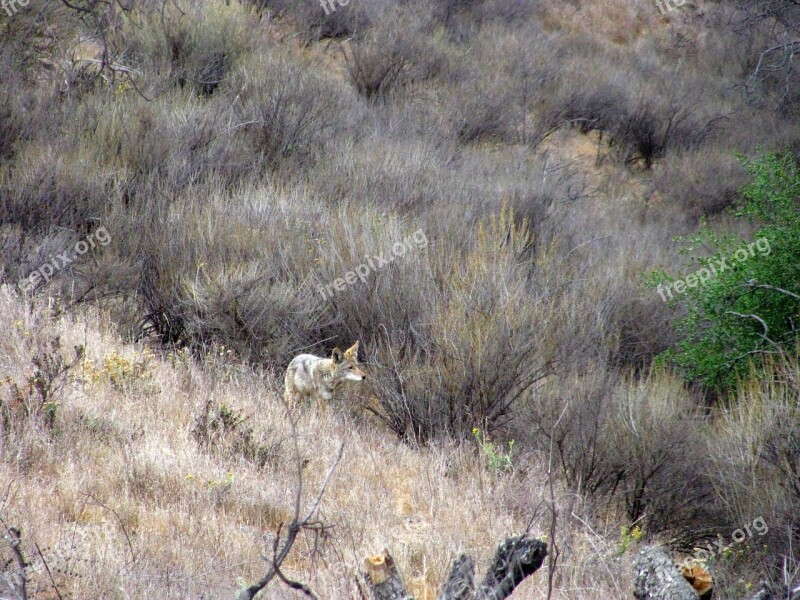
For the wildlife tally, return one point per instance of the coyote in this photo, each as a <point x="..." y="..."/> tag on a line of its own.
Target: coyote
<point x="310" y="376"/>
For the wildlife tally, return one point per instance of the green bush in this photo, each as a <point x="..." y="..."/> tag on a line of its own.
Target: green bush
<point x="747" y="308"/>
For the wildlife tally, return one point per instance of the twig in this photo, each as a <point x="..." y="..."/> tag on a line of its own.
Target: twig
<point x="752" y="284"/>
<point x="121" y="524"/>
<point x="553" y="551"/>
<point x="281" y="550"/>
<point x="49" y="573"/>
<point x="16" y="542"/>
<point x="295" y="585"/>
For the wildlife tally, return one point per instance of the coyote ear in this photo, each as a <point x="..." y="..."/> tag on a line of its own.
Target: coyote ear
<point x="352" y="351"/>
<point x="336" y="355"/>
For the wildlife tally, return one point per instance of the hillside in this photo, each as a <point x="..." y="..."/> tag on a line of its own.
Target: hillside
<point x="495" y="198"/>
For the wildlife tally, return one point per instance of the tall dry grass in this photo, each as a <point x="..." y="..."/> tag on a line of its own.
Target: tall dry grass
<point x="125" y="491"/>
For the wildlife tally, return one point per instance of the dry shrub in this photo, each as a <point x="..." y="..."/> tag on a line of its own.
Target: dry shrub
<point x="475" y="364"/>
<point x="316" y="23"/>
<point x="375" y="67"/>
<point x="400" y="48"/>
<point x="50" y="199"/>
<point x="703" y="183"/>
<point x="32" y="390"/>
<point x="652" y="128"/>
<point x="223" y="430"/>
<point x="403" y="174"/>
<point x="499" y="83"/>
<point x="632" y="444"/>
<point x="644" y="108"/>
<point x="27" y="38"/>
<point x="195" y="46"/>
<point x="284" y="111"/>
<point x="12" y="124"/>
<point x="594" y="109"/>
<point x="635" y="129"/>
<point x="755" y="453"/>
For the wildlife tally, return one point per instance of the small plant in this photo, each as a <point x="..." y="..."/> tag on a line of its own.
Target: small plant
<point x="38" y="397"/>
<point x="120" y="372"/>
<point x="179" y="358"/>
<point x="497" y="461"/>
<point x="629" y="536"/>
<point x="223" y="428"/>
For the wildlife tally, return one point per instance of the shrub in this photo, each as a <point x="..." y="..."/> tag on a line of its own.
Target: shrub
<point x="494" y="103"/>
<point x="225" y="430"/>
<point x="317" y="23"/>
<point x="474" y="365"/>
<point x="283" y="111"/>
<point x="37" y="370"/>
<point x="748" y="308"/>
<point x="648" y="131"/>
<point x="597" y="109"/>
<point x="375" y="67"/>
<point x="11" y="126"/>
<point x="702" y="184"/>
<point x="635" y="444"/>
<point x="402" y="47"/>
<point x="195" y="47"/>
<point x="755" y="454"/>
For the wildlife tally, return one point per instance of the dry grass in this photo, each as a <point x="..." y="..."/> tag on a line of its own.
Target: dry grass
<point x="120" y="494"/>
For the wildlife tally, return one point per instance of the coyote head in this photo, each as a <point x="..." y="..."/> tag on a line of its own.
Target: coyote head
<point x="345" y="365"/>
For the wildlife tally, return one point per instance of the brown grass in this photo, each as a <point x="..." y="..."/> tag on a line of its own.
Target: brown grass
<point x="121" y="495"/>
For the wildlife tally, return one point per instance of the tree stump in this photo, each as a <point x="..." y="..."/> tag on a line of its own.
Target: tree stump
<point x="516" y="558"/>
<point x="383" y="579"/>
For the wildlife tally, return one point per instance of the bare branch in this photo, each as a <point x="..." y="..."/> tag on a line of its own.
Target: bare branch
<point x="754" y="285"/>
<point x="16" y="543"/>
<point x="49" y="573"/>
<point x="281" y="550"/>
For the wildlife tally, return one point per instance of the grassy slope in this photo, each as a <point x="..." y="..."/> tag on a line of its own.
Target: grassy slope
<point x="121" y="496"/>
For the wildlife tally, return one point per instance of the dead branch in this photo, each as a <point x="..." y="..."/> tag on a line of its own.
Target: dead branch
<point x="19" y="583"/>
<point x="281" y="549"/>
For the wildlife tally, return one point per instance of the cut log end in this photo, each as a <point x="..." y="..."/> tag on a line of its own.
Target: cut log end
<point x="378" y="568"/>
<point x="699" y="578"/>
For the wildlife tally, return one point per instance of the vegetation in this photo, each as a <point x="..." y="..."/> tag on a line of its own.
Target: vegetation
<point x="239" y="157"/>
<point x="748" y="308"/>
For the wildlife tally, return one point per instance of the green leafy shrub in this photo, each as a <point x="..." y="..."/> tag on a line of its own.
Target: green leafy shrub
<point x="497" y="460"/>
<point x="749" y="307"/>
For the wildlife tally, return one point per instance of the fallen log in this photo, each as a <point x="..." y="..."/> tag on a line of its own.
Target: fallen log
<point x="516" y="558"/>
